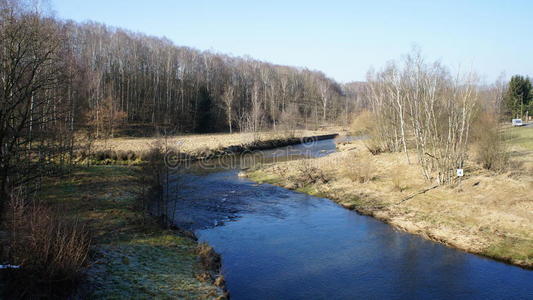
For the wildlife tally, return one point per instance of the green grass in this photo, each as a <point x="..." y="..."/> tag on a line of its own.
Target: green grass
<point x="312" y="190"/>
<point x="132" y="257"/>
<point x="262" y="177"/>
<point x="512" y="249"/>
<point x="521" y="137"/>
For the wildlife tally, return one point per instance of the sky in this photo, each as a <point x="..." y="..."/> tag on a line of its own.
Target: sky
<point x="344" y="39"/>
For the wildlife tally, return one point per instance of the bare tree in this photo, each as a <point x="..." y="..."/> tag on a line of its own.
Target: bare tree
<point x="423" y="101"/>
<point x="106" y="117"/>
<point x="325" y="95"/>
<point x="32" y="103"/>
<point x="229" y="98"/>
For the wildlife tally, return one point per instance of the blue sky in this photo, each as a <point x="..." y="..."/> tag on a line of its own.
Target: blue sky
<point x="341" y="38"/>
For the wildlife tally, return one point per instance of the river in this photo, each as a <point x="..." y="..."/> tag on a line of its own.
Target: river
<point x="280" y="244"/>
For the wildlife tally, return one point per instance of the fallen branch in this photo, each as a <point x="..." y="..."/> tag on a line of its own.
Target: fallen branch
<point x="416" y="194"/>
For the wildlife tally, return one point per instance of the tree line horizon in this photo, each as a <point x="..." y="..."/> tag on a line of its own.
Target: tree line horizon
<point x="61" y="80"/>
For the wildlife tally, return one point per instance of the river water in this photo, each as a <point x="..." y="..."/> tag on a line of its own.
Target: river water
<point x="280" y="244"/>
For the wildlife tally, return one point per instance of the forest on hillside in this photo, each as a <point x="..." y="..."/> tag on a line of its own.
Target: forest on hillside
<point x="95" y="73"/>
<point x="62" y="81"/>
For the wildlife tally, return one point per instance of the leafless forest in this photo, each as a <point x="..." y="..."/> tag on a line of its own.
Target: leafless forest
<point x="60" y="78"/>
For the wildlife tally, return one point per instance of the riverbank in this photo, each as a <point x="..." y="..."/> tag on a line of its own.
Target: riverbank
<point x="131" y="151"/>
<point x="131" y="255"/>
<point x="488" y="214"/>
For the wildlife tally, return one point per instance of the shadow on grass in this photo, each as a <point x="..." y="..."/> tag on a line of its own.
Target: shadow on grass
<point x="132" y="257"/>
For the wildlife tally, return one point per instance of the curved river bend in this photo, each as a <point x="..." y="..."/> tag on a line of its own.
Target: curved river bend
<point x="280" y="244"/>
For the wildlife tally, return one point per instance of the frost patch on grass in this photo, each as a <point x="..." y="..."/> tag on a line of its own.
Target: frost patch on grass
<point x="132" y="257"/>
<point x="146" y="271"/>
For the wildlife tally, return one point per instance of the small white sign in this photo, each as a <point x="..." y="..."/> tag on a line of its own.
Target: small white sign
<point x="460" y="172"/>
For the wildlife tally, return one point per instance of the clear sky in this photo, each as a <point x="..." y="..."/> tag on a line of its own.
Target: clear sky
<point x="341" y="38"/>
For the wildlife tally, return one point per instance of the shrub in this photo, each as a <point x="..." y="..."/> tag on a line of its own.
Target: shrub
<point x="130" y="155"/>
<point x="113" y="155"/>
<point x="50" y="251"/>
<point x="108" y="154"/>
<point x="365" y="124"/>
<point x="359" y="169"/>
<point x="309" y="174"/>
<point x="362" y="123"/>
<point x="102" y="155"/>
<point x="209" y="259"/>
<point x="374" y="142"/>
<point x="280" y="171"/>
<point x="398" y="179"/>
<point x="210" y="262"/>
<point x="153" y="173"/>
<point x="99" y="155"/>
<point x="144" y="155"/>
<point x="82" y="154"/>
<point x="122" y="155"/>
<point x="489" y="143"/>
<point x="374" y="146"/>
<point x="155" y="155"/>
<point x="203" y="152"/>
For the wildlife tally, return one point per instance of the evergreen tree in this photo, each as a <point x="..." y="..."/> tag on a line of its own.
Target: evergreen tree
<point x="519" y="96"/>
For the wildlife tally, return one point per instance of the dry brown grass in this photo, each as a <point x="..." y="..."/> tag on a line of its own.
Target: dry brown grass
<point x="362" y="123"/>
<point x="365" y="124"/>
<point x="52" y="252"/>
<point x="199" y="142"/>
<point x="398" y="178"/>
<point x="374" y="146"/>
<point x="358" y="168"/>
<point x="308" y="173"/>
<point x="210" y="262"/>
<point x="487" y="213"/>
<point x="209" y="259"/>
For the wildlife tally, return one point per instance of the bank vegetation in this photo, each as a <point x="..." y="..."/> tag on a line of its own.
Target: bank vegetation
<point x="436" y="158"/>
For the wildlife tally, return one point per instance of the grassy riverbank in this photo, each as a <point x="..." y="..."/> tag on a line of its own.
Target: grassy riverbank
<point x="131" y="255"/>
<point x="487" y="213"/>
<point x="134" y="150"/>
<point x="200" y="142"/>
